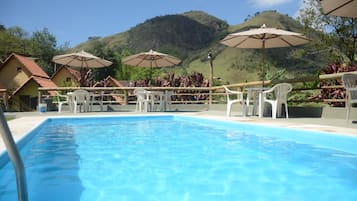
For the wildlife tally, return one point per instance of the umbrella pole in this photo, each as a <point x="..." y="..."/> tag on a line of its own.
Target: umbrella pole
<point x="151" y="69"/>
<point x="210" y="77"/>
<point x="263" y="62"/>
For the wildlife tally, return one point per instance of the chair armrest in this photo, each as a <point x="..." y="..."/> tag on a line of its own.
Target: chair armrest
<point x="231" y="91"/>
<point x="234" y="92"/>
<point x="60" y="98"/>
<point x="268" y="91"/>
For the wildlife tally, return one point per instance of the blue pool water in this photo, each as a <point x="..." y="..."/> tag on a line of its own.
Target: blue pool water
<point x="174" y="158"/>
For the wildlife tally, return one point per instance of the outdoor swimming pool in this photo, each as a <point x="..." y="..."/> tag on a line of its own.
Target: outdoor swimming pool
<point x="137" y="158"/>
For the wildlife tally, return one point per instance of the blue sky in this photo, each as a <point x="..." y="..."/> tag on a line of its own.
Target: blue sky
<point x="73" y="21"/>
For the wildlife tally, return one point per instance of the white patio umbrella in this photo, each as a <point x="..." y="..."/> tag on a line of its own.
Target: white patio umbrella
<point x="262" y="38"/>
<point x="151" y="59"/>
<point x="344" y="8"/>
<point x="81" y="59"/>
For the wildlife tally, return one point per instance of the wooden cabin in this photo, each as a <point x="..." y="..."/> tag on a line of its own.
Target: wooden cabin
<point x="21" y="77"/>
<point x="66" y="77"/>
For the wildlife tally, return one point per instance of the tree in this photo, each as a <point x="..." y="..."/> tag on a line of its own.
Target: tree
<point x="44" y="48"/>
<point x="13" y="39"/>
<point x="101" y="51"/>
<point x="40" y="45"/>
<point x="345" y="35"/>
<point x="338" y="35"/>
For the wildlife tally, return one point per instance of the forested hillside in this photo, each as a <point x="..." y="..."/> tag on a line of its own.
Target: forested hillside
<point x="189" y="36"/>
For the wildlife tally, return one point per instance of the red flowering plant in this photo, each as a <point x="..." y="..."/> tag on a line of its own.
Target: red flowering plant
<point x="194" y="80"/>
<point x="335" y="93"/>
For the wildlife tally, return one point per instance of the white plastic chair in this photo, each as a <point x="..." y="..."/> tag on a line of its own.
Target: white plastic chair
<point x="277" y="96"/>
<point x="141" y="100"/>
<point x="168" y="100"/>
<point x="349" y="81"/>
<point x="61" y="100"/>
<point x="96" y="99"/>
<point x="82" y="98"/>
<point x="230" y="101"/>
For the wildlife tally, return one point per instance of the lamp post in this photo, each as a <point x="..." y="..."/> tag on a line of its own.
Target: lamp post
<point x="210" y="58"/>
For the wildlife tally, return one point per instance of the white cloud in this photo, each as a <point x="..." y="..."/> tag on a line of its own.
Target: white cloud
<point x="267" y="3"/>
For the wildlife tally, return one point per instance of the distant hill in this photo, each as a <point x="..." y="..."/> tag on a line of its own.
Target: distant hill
<point x="240" y="65"/>
<point x="179" y="35"/>
<point x="191" y="35"/>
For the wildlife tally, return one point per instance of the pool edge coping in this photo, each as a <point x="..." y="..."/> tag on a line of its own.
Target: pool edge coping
<point x="22" y="126"/>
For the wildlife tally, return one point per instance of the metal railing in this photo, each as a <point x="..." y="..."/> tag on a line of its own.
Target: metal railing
<point x="125" y="95"/>
<point x="15" y="158"/>
<point x="202" y="95"/>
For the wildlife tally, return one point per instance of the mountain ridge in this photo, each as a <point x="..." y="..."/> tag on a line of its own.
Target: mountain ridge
<point x="189" y="36"/>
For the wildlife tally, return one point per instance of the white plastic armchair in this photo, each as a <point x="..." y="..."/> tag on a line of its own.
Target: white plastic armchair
<point x="96" y="99"/>
<point x="230" y="101"/>
<point x="61" y="100"/>
<point x="142" y="100"/>
<point x="277" y="96"/>
<point x="168" y="100"/>
<point x="82" y="98"/>
<point x="349" y="82"/>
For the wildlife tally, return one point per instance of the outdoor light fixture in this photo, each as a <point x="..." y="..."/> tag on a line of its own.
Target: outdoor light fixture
<point x="210" y="55"/>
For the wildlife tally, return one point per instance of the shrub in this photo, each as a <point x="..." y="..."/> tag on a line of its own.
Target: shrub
<point x="338" y="93"/>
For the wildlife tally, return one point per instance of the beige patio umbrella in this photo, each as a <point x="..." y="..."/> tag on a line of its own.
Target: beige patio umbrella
<point x="343" y="8"/>
<point x="81" y="59"/>
<point x="262" y="38"/>
<point x="151" y="59"/>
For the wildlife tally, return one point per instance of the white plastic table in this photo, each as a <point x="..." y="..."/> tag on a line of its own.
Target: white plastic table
<point x="153" y="96"/>
<point x="256" y="93"/>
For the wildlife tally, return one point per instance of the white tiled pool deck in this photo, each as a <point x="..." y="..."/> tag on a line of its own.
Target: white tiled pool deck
<point x="25" y="122"/>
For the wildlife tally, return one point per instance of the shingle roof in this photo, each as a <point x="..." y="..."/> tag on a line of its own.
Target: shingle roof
<point x="42" y="82"/>
<point x="72" y="71"/>
<point x="29" y="64"/>
<point x="75" y="73"/>
<point x="118" y="82"/>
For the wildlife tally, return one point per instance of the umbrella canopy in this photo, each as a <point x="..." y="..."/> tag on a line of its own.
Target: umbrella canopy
<point x="344" y="8"/>
<point x="262" y="38"/>
<point x="81" y="59"/>
<point x="151" y="59"/>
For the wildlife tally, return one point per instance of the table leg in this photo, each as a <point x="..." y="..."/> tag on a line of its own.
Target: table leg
<point x="247" y="103"/>
<point x="261" y="105"/>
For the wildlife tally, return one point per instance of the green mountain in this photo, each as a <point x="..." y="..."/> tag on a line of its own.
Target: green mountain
<point x="180" y="35"/>
<point x="191" y="35"/>
<point x="240" y="65"/>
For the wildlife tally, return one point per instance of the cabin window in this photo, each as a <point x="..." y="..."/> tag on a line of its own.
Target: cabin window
<point x="19" y="69"/>
<point x="68" y="79"/>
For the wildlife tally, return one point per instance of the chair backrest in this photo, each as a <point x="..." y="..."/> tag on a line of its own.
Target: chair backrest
<point x="140" y="94"/>
<point x="81" y="96"/>
<point x="238" y="95"/>
<point x="281" y="90"/>
<point x="349" y="81"/>
<point x="59" y="98"/>
<point x="168" y="95"/>
<point x="228" y="91"/>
